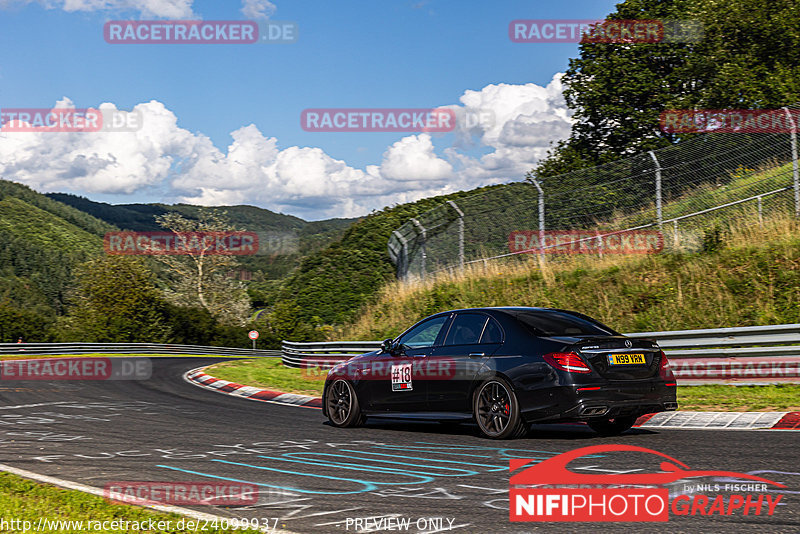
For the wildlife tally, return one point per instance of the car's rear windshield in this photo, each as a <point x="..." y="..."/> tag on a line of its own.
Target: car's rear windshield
<point x="559" y="323"/>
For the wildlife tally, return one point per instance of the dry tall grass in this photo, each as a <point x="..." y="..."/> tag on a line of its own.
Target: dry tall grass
<point x="754" y="278"/>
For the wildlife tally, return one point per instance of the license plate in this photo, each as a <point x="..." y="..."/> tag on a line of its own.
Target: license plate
<point x="626" y="359"/>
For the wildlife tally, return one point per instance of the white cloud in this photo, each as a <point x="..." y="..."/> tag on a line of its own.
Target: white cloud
<point x="167" y="163"/>
<point x="412" y="159"/>
<point x="258" y="9"/>
<point x="170" y="9"/>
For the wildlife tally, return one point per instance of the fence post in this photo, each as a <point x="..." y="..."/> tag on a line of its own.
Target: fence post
<point x="658" y="190"/>
<point x="422" y="248"/>
<point x="795" y="172"/>
<point x="541" y="217"/>
<point x="760" y="213"/>
<point x="402" y="260"/>
<point x="460" y="233"/>
<point x="675" y="229"/>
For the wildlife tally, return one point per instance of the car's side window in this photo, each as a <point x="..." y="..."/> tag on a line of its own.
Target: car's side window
<point x="466" y="329"/>
<point x="492" y="333"/>
<point x="424" y="334"/>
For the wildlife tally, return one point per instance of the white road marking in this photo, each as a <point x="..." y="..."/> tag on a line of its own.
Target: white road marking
<point x="32" y="405"/>
<point x="101" y="493"/>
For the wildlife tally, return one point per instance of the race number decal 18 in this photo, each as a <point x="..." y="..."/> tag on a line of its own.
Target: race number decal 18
<point x="401" y="377"/>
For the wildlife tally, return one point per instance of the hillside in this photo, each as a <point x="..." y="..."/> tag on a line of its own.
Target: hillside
<point x="332" y="284"/>
<point x="751" y="276"/>
<point x="41" y="242"/>
<point x="286" y="239"/>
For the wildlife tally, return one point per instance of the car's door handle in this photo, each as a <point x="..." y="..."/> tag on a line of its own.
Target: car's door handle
<point x="476" y="354"/>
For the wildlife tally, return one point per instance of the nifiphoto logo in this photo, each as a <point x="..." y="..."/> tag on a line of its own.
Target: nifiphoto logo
<point x="547" y="491"/>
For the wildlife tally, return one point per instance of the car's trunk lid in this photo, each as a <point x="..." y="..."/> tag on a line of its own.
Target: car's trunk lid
<point x="618" y="357"/>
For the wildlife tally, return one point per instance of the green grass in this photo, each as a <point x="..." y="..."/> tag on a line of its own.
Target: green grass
<point x="23" y="356"/>
<point x="753" y="278"/>
<point x="774" y="398"/>
<point x="269" y="373"/>
<point x="24" y="500"/>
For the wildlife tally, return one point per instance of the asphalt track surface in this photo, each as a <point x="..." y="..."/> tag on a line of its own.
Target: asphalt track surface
<point x="317" y="478"/>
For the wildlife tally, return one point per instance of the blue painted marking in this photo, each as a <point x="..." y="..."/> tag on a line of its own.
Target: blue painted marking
<point x="494" y="467"/>
<point x="370" y="486"/>
<point x="504" y="451"/>
<point x="464" y="472"/>
<point x="453" y="453"/>
<point x="422" y="478"/>
<point x="360" y="467"/>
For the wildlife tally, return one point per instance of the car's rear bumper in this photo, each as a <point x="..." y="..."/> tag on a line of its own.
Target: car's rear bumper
<point x="596" y="401"/>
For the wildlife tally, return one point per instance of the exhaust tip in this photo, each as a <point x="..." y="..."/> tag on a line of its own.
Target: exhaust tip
<point x="594" y="410"/>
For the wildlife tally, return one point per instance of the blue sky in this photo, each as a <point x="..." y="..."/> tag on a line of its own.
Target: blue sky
<point x="199" y="101"/>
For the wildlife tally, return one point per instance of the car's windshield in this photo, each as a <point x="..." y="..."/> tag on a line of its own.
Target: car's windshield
<point x="560" y="323"/>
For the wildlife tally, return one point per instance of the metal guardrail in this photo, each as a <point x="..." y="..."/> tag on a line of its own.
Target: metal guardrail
<point x="745" y="355"/>
<point x="38" y="349"/>
<point x="321" y="354"/>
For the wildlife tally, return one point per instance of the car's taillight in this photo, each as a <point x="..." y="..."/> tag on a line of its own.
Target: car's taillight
<point x="567" y="361"/>
<point x="665" y="371"/>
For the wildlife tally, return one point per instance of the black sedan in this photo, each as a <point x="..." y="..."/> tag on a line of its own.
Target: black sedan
<point x="505" y="368"/>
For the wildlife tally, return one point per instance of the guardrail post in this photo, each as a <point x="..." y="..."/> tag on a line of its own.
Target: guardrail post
<point x="460" y="233"/>
<point x="424" y="256"/>
<point x="795" y="170"/>
<point x="658" y="189"/>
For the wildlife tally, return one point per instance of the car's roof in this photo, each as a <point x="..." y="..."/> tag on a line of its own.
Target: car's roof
<point x="504" y="308"/>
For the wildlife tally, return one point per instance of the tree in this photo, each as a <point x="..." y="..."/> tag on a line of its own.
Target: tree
<point x="200" y="277"/>
<point x="749" y="57"/>
<point x="116" y="301"/>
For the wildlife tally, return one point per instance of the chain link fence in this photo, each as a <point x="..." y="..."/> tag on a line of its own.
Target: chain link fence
<point x="667" y="199"/>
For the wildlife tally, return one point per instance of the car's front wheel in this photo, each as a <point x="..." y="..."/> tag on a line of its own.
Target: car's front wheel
<point x="612" y="427"/>
<point x="497" y="411"/>
<point x="341" y="403"/>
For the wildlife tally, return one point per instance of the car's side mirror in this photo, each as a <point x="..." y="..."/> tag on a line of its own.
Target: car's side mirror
<point x="387" y="345"/>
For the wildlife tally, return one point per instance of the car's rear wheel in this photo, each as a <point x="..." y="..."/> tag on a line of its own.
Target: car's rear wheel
<point x="341" y="403"/>
<point x="613" y="426"/>
<point x="496" y="410"/>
